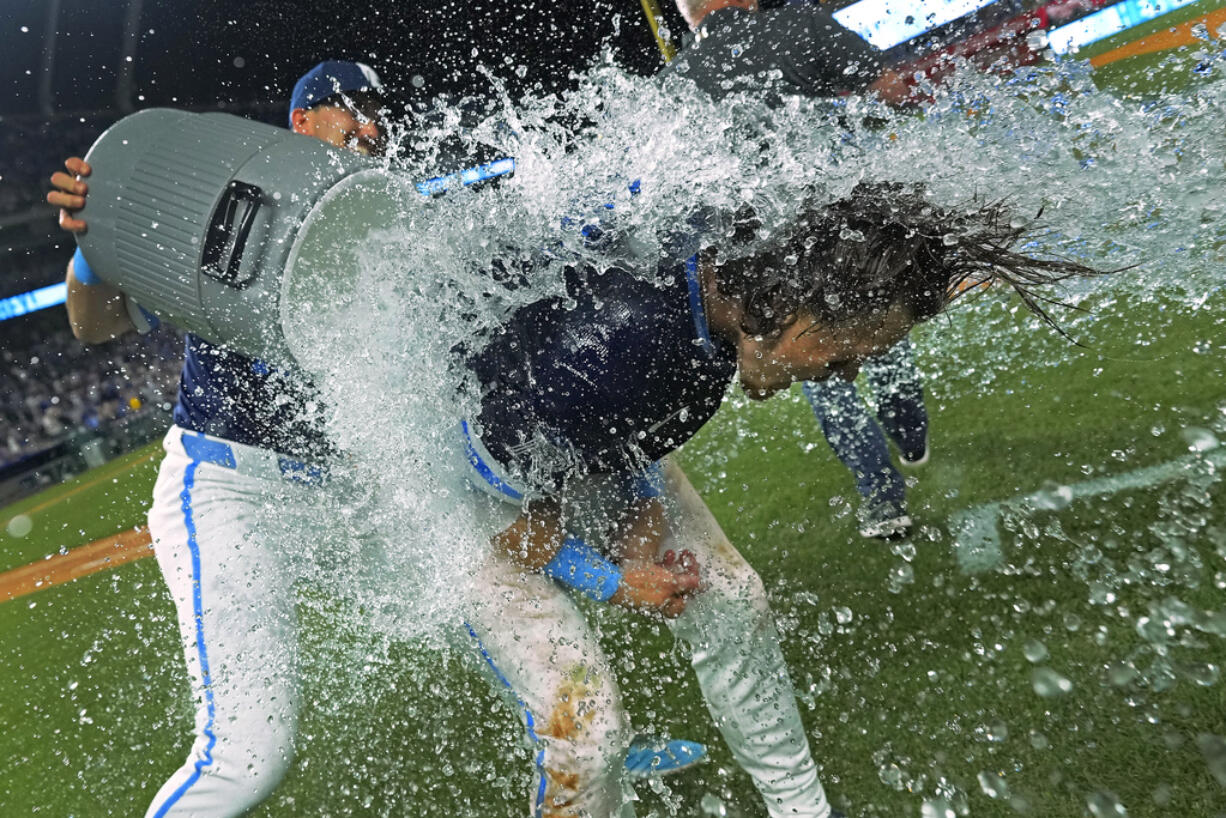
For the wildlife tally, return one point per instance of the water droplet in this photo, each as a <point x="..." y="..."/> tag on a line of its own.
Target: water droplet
<point x="19" y="526"/>
<point x="1048" y="683"/>
<point x="899" y="577"/>
<point x="1199" y="439"/>
<point x="997" y="731"/>
<point x="1122" y="674"/>
<point x="1205" y="675"/>
<point x="1105" y="805"/>
<point x="1034" y="651"/>
<point x="993" y="785"/>
<point x="843" y="614"/>
<point x="1213" y="748"/>
<point x="711" y="805"/>
<point x="937" y="808"/>
<point x="1052" y="497"/>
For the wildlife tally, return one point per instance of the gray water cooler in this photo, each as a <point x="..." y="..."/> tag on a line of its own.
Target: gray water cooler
<point x="226" y="227"/>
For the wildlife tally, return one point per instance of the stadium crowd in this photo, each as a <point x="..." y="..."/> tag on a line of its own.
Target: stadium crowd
<point x="54" y="387"/>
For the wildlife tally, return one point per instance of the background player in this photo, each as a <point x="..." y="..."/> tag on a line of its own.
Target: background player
<point x="801" y="49"/>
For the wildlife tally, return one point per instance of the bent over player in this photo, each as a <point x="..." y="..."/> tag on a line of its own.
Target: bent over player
<point x="802" y="50"/>
<point x="582" y="396"/>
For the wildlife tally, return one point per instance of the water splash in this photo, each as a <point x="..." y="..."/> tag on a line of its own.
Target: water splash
<point x="1120" y="182"/>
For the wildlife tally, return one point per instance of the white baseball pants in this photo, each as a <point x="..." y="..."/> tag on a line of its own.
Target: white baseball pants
<point x="215" y="522"/>
<point x="544" y="658"/>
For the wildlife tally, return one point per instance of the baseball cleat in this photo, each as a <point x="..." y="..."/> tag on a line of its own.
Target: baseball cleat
<point x="649" y="757"/>
<point x="915" y="462"/>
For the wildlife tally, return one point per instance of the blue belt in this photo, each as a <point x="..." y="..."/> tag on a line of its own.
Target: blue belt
<point x="484" y="470"/>
<point x="220" y="453"/>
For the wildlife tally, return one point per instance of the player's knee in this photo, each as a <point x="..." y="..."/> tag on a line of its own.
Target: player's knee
<point x="259" y="762"/>
<point x="220" y="773"/>
<point x="585" y="737"/>
<point x="267" y="763"/>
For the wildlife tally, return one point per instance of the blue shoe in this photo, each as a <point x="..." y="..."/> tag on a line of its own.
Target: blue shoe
<point x="649" y="757"/>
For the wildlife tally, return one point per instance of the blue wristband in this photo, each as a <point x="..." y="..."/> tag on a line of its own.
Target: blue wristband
<point x="577" y="565"/>
<point x="82" y="271"/>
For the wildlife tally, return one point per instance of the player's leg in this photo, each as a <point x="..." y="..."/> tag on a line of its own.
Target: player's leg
<point x="231" y="586"/>
<point x="899" y="391"/>
<point x="739" y="664"/>
<point x="542" y="658"/>
<point x="858" y="442"/>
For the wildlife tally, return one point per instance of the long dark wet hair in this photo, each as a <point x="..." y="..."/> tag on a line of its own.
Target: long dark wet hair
<point x="885" y="244"/>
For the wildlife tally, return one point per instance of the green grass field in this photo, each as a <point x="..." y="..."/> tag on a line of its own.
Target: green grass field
<point x="912" y="690"/>
<point x="924" y="687"/>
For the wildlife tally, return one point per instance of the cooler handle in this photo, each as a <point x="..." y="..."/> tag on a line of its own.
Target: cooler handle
<point x="224" y="243"/>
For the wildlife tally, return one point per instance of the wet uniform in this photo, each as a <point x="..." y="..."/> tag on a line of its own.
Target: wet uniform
<point x="241" y="399"/>
<point x="621" y="375"/>
<point x="579" y="395"/>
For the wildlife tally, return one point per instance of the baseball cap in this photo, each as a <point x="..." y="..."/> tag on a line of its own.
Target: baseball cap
<point x="333" y="77"/>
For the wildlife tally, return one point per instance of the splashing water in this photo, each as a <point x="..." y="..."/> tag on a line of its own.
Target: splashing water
<point x="1120" y="182"/>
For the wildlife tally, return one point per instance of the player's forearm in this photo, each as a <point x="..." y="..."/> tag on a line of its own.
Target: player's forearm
<point x="534" y="538"/>
<point x="537" y="542"/>
<point x="96" y="313"/>
<point x="640" y="531"/>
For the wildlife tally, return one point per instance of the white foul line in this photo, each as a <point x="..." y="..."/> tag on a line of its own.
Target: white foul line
<point x="976" y="534"/>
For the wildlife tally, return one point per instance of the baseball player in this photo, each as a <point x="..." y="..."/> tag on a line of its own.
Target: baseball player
<point x="801" y="50"/>
<point x="245" y="440"/>
<point x="581" y="399"/>
<point x="584" y="395"/>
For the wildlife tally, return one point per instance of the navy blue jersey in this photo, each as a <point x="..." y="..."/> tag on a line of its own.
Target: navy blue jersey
<point x="227" y="395"/>
<point x="610" y="380"/>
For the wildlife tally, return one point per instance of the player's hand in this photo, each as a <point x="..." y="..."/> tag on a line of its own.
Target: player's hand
<point x="68" y="193"/>
<point x="662" y="588"/>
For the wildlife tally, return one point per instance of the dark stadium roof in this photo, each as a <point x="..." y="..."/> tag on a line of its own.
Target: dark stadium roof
<point x="84" y="55"/>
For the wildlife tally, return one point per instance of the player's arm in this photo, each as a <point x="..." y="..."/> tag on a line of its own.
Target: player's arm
<point x="97" y="312"/>
<point x="538" y="541"/>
